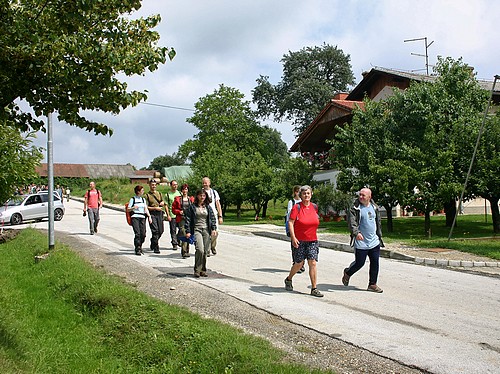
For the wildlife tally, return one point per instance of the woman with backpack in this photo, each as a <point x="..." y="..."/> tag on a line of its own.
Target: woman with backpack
<point x="294" y="200"/>
<point x="138" y="212"/>
<point x="180" y="205"/>
<point x="303" y="225"/>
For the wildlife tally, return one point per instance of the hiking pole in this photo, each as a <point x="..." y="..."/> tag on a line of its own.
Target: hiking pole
<point x="474" y="154"/>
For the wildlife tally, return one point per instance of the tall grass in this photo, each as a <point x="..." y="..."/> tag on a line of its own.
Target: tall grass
<point x="61" y="315"/>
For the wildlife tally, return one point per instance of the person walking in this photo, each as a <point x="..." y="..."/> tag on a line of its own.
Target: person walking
<point x="303" y="225"/>
<point x="155" y="205"/>
<point x="200" y="221"/>
<point x="294" y="200"/>
<point x="171" y="195"/>
<point x="91" y="204"/>
<point x="138" y="212"/>
<point x="214" y="198"/>
<point x="180" y="205"/>
<point x="366" y="237"/>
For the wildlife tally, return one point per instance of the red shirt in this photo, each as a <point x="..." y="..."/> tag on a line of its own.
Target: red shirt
<point x="92" y="198"/>
<point x="306" y="222"/>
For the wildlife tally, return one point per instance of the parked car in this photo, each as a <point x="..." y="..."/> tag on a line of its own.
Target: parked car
<point x="30" y="207"/>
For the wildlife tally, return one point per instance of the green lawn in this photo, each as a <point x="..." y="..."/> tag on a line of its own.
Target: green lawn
<point x="61" y="315"/>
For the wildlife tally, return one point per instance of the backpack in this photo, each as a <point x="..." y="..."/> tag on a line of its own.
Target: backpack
<point x="287" y="217"/>
<point x="298" y="211"/>
<point x="128" y="215"/>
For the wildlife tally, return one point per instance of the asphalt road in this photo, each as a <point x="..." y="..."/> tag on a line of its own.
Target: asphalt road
<point x="435" y="319"/>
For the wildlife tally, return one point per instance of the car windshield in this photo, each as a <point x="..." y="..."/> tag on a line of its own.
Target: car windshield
<point x="14" y="201"/>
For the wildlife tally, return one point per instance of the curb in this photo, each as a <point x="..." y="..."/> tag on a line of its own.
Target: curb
<point x="391" y="254"/>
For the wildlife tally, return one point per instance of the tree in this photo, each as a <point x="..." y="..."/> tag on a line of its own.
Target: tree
<point x="485" y="176"/>
<point x="234" y="149"/>
<point x="310" y="79"/>
<point x="19" y="159"/>
<point x="161" y="162"/>
<point x="64" y="55"/>
<point x="413" y="148"/>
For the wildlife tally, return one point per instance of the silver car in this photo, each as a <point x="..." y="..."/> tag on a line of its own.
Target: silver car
<point x="30" y="207"/>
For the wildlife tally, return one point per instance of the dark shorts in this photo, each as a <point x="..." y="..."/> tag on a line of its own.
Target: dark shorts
<point x="306" y="250"/>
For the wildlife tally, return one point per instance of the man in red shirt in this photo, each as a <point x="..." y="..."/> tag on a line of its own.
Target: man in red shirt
<point x="303" y="225"/>
<point x="91" y="206"/>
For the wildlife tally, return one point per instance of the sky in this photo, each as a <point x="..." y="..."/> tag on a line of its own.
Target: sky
<point x="234" y="42"/>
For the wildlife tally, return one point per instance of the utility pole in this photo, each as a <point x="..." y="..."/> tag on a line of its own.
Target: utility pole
<point x="421" y="55"/>
<point x="50" y="177"/>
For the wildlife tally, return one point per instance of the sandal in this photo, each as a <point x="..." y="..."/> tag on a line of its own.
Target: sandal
<point x="374" y="288"/>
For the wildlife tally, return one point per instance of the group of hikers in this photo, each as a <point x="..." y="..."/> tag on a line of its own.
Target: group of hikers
<point x="194" y="220"/>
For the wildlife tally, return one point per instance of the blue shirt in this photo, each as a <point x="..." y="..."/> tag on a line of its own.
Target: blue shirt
<point x="140" y="202"/>
<point x="367" y="227"/>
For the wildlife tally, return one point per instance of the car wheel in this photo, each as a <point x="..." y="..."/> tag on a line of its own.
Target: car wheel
<point x="58" y="214"/>
<point x="16" y="219"/>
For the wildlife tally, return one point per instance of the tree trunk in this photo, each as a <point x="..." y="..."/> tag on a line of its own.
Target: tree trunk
<point x="390" y="224"/>
<point x="427" y="225"/>
<point x="264" y="209"/>
<point x="450" y="208"/>
<point x="495" y="214"/>
<point x="238" y="210"/>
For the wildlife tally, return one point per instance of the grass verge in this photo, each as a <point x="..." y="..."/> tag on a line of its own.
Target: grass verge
<point x="61" y="315"/>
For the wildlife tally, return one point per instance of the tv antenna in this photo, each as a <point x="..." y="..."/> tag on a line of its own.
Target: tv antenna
<point x="421" y="55"/>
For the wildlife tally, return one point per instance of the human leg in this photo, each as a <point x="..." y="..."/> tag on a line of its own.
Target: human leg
<point x="90" y="216"/>
<point x="358" y="263"/>
<point x="136" y="225"/>
<point x="96" y="218"/>
<point x="374" y="255"/>
<point x="173" y="233"/>
<point x="156" y="220"/>
<point x="199" y="253"/>
<point x="213" y="244"/>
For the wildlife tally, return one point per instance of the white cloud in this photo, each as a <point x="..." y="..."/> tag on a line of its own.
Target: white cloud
<point x="233" y="42"/>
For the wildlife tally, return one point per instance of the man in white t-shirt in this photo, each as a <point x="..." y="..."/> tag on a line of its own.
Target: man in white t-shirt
<point x="216" y="208"/>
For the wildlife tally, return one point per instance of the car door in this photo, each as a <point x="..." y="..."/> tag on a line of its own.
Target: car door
<point x="34" y="208"/>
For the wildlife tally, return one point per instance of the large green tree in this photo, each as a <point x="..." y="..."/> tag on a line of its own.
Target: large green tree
<point x="65" y="56"/>
<point x="161" y="162"/>
<point x="19" y="159"/>
<point x="414" y="148"/>
<point x="310" y="79"/>
<point x="234" y="150"/>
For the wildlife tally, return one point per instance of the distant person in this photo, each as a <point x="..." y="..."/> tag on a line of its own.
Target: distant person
<point x="179" y="207"/>
<point x="138" y="212"/>
<point x="303" y="225"/>
<point x="213" y="195"/>
<point x="59" y="191"/>
<point x="200" y="221"/>
<point x="295" y="200"/>
<point x="156" y="204"/>
<point x="91" y="205"/>
<point x="68" y="193"/>
<point x="366" y="237"/>
<point x="171" y="195"/>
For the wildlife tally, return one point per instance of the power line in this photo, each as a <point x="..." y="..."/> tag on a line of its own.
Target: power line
<point x="167" y="106"/>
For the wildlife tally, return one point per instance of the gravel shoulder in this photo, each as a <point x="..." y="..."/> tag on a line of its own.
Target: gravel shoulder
<point x="301" y="344"/>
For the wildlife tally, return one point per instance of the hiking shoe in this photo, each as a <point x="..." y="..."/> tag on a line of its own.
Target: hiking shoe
<point x="196" y="275"/>
<point x="288" y="284"/>
<point x="315" y="292"/>
<point x="156" y="251"/>
<point x="374" y="288"/>
<point x="345" y="278"/>
<point x="203" y="274"/>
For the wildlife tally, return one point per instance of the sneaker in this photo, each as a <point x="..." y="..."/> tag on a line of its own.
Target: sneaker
<point x="315" y="292"/>
<point x="214" y="252"/>
<point x="374" y="288"/>
<point x="345" y="278"/>
<point x="196" y="275"/>
<point x="175" y="248"/>
<point x="95" y="230"/>
<point x="156" y="251"/>
<point x="288" y="284"/>
<point x="203" y="274"/>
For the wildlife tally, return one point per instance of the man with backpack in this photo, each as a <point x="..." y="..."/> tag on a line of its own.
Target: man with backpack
<point x="294" y="200"/>
<point x="91" y="205"/>
<point x="156" y="204"/>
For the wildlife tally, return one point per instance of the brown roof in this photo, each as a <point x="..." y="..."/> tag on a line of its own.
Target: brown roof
<point x="64" y="170"/>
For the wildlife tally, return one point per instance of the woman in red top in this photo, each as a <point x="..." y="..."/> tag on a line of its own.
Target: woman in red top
<point x="181" y="204"/>
<point x="303" y="226"/>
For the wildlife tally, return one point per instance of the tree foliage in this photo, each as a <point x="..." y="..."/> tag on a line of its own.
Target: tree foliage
<point x="310" y="79"/>
<point x="161" y="162"/>
<point x="19" y="159"/>
<point x="240" y="156"/>
<point x="414" y="148"/>
<point x="64" y="56"/>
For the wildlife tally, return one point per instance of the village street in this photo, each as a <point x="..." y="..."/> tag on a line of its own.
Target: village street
<point x="438" y="320"/>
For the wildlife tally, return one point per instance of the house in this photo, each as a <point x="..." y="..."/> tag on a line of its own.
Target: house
<point x="377" y="84"/>
<point x="95" y="171"/>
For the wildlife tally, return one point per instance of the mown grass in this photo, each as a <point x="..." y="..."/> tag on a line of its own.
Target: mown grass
<point x="61" y="315"/>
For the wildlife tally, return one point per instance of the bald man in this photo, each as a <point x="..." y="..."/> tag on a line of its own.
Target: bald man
<point x="366" y="237"/>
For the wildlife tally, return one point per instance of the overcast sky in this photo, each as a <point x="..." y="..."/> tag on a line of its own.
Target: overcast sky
<point x="233" y="42"/>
